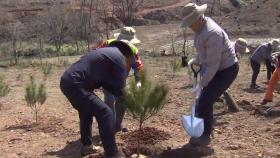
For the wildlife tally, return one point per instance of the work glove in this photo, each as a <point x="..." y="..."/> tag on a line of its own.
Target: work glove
<point x="191" y="61"/>
<point x="138" y="85"/>
<point x="197" y="90"/>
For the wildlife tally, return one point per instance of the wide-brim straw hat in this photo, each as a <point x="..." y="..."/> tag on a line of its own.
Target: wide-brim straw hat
<point x="191" y="12"/>
<point x="241" y="46"/>
<point x="127" y="33"/>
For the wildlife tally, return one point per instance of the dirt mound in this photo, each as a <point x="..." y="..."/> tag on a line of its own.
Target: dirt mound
<point x="148" y="137"/>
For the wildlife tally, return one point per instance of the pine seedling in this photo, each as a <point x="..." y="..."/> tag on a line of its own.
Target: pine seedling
<point x="147" y="101"/>
<point x="35" y="96"/>
<point x="4" y="88"/>
<point x="175" y="66"/>
<point x="46" y="69"/>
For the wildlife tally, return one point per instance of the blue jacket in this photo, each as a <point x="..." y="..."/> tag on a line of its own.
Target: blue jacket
<point x="103" y="67"/>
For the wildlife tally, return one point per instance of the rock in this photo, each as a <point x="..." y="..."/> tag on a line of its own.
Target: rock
<point x="234" y="147"/>
<point x="218" y="131"/>
<point x="267" y="129"/>
<point x="140" y="156"/>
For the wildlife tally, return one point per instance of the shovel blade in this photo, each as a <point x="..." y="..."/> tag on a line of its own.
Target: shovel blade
<point x="194" y="126"/>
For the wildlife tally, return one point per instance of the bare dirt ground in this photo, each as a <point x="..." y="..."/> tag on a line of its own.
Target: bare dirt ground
<point x="242" y="134"/>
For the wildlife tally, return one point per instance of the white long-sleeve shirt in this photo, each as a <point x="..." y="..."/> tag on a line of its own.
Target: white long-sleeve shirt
<point x="214" y="50"/>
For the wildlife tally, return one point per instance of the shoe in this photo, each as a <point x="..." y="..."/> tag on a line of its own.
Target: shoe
<point x="203" y="140"/>
<point x="89" y="149"/>
<point x="265" y="101"/>
<point x="254" y="86"/>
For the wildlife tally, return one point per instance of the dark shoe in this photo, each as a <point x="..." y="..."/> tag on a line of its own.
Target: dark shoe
<point x="254" y="86"/>
<point x="203" y="140"/>
<point x="89" y="149"/>
<point x="265" y="101"/>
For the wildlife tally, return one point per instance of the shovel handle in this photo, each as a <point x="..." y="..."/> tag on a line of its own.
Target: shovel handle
<point x="196" y="68"/>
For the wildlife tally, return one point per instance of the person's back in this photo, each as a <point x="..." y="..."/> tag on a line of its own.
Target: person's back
<point x="97" y="68"/>
<point x="222" y="55"/>
<point x="262" y="53"/>
<point x="106" y="68"/>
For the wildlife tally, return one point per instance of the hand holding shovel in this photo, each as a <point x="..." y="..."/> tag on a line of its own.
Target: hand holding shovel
<point x="194" y="126"/>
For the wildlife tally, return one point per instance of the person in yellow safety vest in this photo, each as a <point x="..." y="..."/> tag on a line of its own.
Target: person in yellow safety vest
<point x="126" y="34"/>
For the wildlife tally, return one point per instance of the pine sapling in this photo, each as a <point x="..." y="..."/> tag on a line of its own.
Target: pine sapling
<point x="175" y="66"/>
<point x="35" y="96"/>
<point x="46" y="69"/>
<point x="4" y="88"/>
<point x="145" y="102"/>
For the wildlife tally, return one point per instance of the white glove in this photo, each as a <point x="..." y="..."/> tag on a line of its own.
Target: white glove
<point x="197" y="90"/>
<point x="138" y="85"/>
<point x="191" y="61"/>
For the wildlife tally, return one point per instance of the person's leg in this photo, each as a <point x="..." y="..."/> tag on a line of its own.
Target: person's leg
<point x="120" y="112"/>
<point x="256" y="69"/>
<point x="86" y="128"/>
<point x="110" y="100"/>
<point x="104" y="116"/>
<point x="271" y="86"/>
<point x="221" y="81"/>
<point x="87" y="102"/>
<point x="269" y="69"/>
<point x="231" y="105"/>
<point x="117" y="107"/>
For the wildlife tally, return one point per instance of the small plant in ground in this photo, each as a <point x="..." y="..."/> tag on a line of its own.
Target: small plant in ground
<point x="4" y="88"/>
<point x="46" y="69"/>
<point x="175" y="66"/>
<point x="35" y="96"/>
<point x="145" y="102"/>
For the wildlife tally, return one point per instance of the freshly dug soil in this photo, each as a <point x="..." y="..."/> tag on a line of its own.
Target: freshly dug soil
<point x="147" y="137"/>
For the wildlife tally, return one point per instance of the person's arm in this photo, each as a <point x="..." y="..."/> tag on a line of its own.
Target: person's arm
<point x="137" y="67"/>
<point x="117" y="83"/>
<point x="214" y="46"/>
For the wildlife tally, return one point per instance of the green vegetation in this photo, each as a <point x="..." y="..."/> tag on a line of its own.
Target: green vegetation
<point x="147" y="101"/>
<point x="46" y="69"/>
<point x="35" y="96"/>
<point x="4" y="88"/>
<point x="175" y="66"/>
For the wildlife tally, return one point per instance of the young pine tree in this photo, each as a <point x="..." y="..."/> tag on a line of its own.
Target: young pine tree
<point x="175" y="66"/>
<point x="4" y="88"/>
<point x="46" y="70"/>
<point x="35" y="96"/>
<point x="145" y="102"/>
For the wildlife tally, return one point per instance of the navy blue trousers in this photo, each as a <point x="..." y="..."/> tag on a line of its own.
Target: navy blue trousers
<point x="89" y="105"/>
<point x="216" y="87"/>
